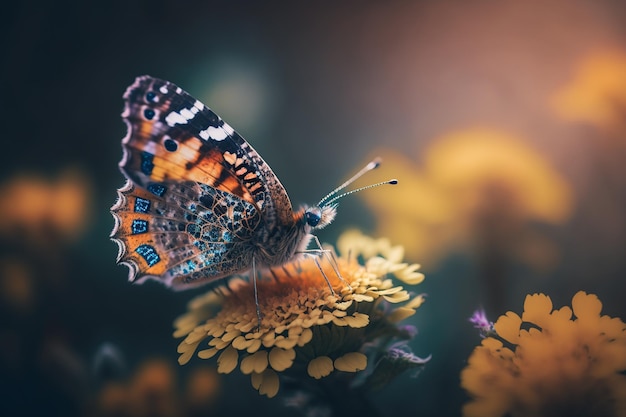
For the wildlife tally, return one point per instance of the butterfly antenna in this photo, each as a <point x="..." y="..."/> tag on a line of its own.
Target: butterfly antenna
<point x="367" y="168"/>
<point x="392" y="181"/>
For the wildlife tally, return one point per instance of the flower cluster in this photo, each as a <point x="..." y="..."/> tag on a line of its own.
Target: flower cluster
<point x="306" y="329"/>
<point x="547" y="363"/>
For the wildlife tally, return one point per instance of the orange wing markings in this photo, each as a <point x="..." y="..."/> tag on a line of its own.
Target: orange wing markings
<point x="210" y="168"/>
<point x="134" y="241"/>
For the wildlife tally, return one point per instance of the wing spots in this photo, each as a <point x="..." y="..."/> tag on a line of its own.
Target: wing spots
<point x="147" y="163"/>
<point x="151" y="97"/>
<point x="254" y="187"/>
<point x="149" y="254"/>
<point x="198" y="104"/>
<point x="148" y="113"/>
<point x="215" y="133"/>
<point x="170" y="144"/>
<point x="141" y="205"/>
<point x="248" y="179"/>
<point x="139" y="226"/>
<point x="181" y="117"/>
<point x="230" y="157"/>
<point x="157" y="189"/>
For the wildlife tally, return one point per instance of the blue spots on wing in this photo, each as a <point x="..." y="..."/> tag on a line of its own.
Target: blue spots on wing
<point x="157" y="189"/>
<point x="147" y="163"/>
<point x="139" y="226"/>
<point x="209" y="263"/>
<point x="149" y="254"/>
<point x="191" y="266"/>
<point x="142" y="205"/>
<point x="200" y="245"/>
<point x="194" y="230"/>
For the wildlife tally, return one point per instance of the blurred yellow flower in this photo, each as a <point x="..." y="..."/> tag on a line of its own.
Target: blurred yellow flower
<point x="306" y="330"/>
<point x="153" y="389"/>
<point x="473" y="185"/>
<point x="597" y="91"/>
<point x="548" y="363"/>
<point x="37" y="208"/>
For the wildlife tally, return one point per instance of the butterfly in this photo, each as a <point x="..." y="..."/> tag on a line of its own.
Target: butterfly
<point x="200" y="204"/>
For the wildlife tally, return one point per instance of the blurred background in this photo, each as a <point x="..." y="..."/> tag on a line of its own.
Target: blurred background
<point x="504" y="121"/>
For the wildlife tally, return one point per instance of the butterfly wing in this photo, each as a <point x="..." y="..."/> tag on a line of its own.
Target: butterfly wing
<point x="198" y="192"/>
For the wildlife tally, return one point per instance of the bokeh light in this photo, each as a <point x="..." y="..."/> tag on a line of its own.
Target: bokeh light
<point x="504" y="123"/>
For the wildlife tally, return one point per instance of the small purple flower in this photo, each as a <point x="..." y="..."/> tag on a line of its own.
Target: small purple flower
<point x="480" y="321"/>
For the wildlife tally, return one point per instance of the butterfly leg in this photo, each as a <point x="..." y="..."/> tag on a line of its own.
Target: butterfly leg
<point x="256" y="296"/>
<point x="331" y="259"/>
<point x="330" y="287"/>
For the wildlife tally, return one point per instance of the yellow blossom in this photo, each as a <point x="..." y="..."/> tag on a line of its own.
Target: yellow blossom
<point x="305" y="329"/>
<point x="550" y="362"/>
<point x="469" y="186"/>
<point x="37" y="207"/>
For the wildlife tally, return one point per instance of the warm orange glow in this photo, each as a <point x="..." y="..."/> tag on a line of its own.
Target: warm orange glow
<point x="32" y="206"/>
<point x="471" y="185"/>
<point x="597" y="91"/>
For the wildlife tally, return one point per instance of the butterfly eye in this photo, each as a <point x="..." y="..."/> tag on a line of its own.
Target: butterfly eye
<point x="312" y="219"/>
<point x="151" y="97"/>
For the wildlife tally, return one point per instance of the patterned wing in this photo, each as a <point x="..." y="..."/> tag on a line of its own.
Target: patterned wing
<point x="191" y="235"/>
<point x="198" y="192"/>
<point x="174" y="137"/>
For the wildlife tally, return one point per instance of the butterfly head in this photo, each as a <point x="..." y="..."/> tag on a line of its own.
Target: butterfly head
<point x="319" y="217"/>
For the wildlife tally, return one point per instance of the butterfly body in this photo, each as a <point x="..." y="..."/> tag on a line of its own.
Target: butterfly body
<point x="200" y="204"/>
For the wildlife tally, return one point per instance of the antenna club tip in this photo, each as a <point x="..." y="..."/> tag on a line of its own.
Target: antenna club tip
<point x="393" y="181"/>
<point x="375" y="163"/>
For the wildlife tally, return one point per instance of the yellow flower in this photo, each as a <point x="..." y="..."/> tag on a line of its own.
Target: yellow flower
<point x="156" y="388"/>
<point x="548" y="363"/>
<point x="471" y="187"/>
<point x="305" y="329"/>
<point x="44" y="210"/>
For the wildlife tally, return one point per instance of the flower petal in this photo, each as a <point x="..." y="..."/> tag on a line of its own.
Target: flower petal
<point x="537" y="309"/>
<point x="257" y="363"/>
<point x="508" y="327"/>
<point x="416" y="301"/>
<point x="400" y="314"/>
<point x="320" y="367"/>
<point x="207" y="353"/>
<point x="397" y="297"/>
<point x="351" y="362"/>
<point x="227" y="361"/>
<point x="185" y="357"/>
<point x="357" y="320"/>
<point x="586" y="306"/>
<point x="281" y="359"/>
<point x="305" y="337"/>
<point x="266" y="383"/>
